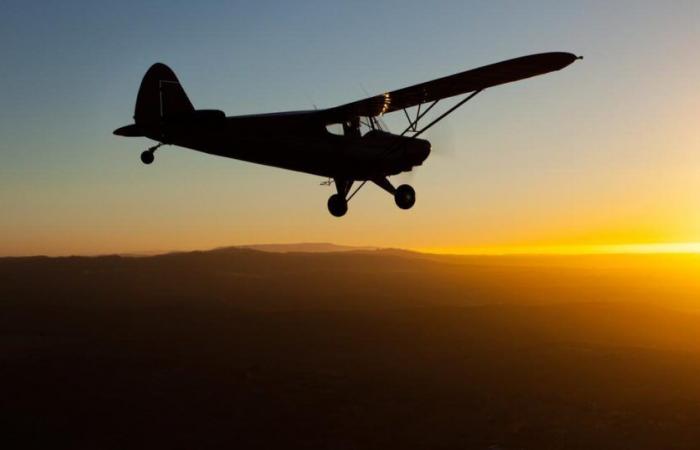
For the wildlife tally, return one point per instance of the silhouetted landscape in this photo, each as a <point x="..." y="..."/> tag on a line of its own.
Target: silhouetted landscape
<point x="371" y="349"/>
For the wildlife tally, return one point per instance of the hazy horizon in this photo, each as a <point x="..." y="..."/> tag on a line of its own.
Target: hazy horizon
<point x="562" y="250"/>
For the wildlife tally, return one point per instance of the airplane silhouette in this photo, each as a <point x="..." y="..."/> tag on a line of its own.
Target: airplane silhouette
<point x="362" y="150"/>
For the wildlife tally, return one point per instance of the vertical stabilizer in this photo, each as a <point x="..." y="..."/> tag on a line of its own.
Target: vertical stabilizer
<point x="160" y="95"/>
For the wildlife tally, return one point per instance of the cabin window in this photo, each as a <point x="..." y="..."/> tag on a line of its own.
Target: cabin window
<point x="335" y="128"/>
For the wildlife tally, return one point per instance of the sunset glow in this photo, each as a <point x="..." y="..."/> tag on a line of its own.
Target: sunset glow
<point x="666" y="248"/>
<point x="603" y="157"/>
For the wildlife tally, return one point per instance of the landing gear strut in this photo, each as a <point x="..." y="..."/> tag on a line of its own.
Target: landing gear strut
<point x="148" y="156"/>
<point x="404" y="195"/>
<point x="338" y="203"/>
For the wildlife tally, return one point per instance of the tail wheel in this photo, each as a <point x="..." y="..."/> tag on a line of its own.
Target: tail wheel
<point x="147" y="157"/>
<point x="337" y="205"/>
<point x="405" y="196"/>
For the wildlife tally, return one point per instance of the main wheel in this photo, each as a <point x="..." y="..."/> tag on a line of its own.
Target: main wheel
<point x="404" y="196"/>
<point x="337" y="205"/>
<point x="147" y="157"/>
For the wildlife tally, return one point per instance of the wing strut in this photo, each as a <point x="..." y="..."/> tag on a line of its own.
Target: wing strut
<point x="441" y="116"/>
<point x="413" y="125"/>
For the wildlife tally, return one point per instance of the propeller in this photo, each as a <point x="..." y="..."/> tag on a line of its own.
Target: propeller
<point x="443" y="140"/>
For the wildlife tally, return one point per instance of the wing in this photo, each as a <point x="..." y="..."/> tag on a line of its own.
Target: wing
<point x="461" y="83"/>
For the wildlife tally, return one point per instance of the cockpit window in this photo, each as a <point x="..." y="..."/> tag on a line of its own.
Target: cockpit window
<point x="335" y="128"/>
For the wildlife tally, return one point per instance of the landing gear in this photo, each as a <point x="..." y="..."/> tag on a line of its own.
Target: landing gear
<point x="148" y="156"/>
<point x="337" y="205"/>
<point x="404" y="196"/>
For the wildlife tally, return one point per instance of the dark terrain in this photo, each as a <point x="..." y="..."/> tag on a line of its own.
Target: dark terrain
<point x="237" y="348"/>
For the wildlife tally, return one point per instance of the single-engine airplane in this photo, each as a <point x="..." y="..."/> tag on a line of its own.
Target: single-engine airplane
<point x="302" y="141"/>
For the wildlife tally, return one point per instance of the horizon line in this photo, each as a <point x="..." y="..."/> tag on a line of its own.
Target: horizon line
<point x="673" y="248"/>
<point x="660" y="248"/>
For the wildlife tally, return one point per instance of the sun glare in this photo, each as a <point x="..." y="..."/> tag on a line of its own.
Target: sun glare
<point x="603" y="249"/>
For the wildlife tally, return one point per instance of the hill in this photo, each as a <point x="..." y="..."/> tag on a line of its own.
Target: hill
<point x="250" y="349"/>
<point x="306" y="247"/>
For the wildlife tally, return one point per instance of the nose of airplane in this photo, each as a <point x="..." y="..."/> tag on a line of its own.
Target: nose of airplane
<point x="418" y="150"/>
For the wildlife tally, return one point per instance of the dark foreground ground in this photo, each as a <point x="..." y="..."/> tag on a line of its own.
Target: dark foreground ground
<point x="378" y="350"/>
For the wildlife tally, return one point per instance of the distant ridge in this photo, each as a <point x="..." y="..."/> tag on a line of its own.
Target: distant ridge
<point x="306" y="247"/>
<point x="302" y="247"/>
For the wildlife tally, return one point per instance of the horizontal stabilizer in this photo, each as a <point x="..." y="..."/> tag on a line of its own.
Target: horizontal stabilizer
<point x="130" y="131"/>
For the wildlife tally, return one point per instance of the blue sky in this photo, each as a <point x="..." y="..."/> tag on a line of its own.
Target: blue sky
<point x="574" y="156"/>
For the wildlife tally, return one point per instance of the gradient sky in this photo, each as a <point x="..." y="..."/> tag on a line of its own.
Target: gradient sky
<point x="604" y="152"/>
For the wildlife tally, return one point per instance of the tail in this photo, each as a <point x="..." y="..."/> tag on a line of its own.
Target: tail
<point x="160" y="96"/>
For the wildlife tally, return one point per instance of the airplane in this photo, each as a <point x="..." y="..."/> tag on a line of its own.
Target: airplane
<point x="360" y="150"/>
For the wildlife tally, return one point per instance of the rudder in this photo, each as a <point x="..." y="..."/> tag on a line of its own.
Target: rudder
<point x="160" y="95"/>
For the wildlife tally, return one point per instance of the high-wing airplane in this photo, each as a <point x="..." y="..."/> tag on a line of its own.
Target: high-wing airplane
<point x="362" y="150"/>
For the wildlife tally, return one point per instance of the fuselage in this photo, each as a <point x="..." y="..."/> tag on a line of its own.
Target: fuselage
<point x="296" y="141"/>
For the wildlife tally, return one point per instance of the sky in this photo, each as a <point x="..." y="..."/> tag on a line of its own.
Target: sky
<point x="603" y="153"/>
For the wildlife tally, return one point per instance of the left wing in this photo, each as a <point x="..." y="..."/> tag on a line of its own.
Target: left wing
<point x="461" y="83"/>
